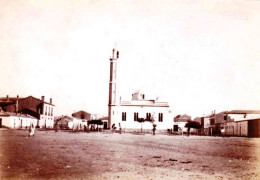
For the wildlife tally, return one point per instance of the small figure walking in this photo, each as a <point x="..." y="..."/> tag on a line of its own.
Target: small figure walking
<point x="31" y="130"/>
<point x="56" y="126"/>
<point x="120" y="130"/>
<point x="154" y="129"/>
<point x="188" y="133"/>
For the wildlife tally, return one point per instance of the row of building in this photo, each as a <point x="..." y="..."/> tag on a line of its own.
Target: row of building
<point x="232" y="123"/>
<point x="139" y="112"/>
<point x="19" y="112"/>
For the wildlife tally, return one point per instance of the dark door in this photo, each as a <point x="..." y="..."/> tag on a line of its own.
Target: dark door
<point x="175" y="128"/>
<point x="105" y="125"/>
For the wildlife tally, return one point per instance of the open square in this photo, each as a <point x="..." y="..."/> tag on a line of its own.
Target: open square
<point x="106" y="155"/>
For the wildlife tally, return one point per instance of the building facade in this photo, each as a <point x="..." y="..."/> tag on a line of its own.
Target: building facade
<point x="246" y="123"/>
<point x="16" y="120"/>
<point x="139" y="112"/>
<point x="40" y="109"/>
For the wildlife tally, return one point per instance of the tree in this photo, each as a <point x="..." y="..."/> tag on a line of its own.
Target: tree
<point x="141" y="120"/>
<point x="192" y="124"/>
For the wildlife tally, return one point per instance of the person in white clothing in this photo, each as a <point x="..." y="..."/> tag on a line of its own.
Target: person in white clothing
<point x="31" y="130"/>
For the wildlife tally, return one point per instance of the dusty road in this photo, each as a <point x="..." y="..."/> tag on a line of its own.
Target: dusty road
<point x="66" y="155"/>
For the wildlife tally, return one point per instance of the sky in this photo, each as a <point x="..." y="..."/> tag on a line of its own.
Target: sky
<point x="198" y="56"/>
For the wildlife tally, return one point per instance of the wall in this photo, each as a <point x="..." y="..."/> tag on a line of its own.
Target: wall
<point x="47" y="118"/>
<point x="131" y="124"/>
<point x="254" y="128"/>
<point x="17" y="122"/>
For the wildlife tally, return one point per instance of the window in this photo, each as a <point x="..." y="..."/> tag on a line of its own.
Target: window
<point x="148" y="116"/>
<point x="45" y="110"/>
<point x="123" y="116"/>
<point x="160" y="117"/>
<point x="135" y="116"/>
<point x="49" y="111"/>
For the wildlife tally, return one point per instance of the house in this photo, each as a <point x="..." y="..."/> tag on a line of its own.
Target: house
<point x="246" y="123"/>
<point x="63" y="122"/>
<point x="80" y="120"/>
<point x="16" y="120"/>
<point x="138" y="112"/>
<point x="213" y="124"/>
<point x="40" y="109"/>
<point x="180" y="122"/>
<point x="79" y="124"/>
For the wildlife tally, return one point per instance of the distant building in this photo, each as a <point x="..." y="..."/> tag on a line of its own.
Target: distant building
<point x="180" y="122"/>
<point x="63" y="122"/>
<point x="80" y="120"/>
<point x="126" y="114"/>
<point x="16" y="120"/>
<point x="246" y="123"/>
<point x="38" y="108"/>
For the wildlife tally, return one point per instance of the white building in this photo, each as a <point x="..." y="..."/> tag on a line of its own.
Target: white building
<point x="127" y="113"/>
<point x="16" y="120"/>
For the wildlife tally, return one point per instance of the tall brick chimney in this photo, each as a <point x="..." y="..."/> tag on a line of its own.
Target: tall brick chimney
<point x="50" y="100"/>
<point x="7" y="97"/>
<point x="42" y="98"/>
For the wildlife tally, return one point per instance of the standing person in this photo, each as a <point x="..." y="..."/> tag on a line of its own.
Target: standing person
<point x="120" y="130"/>
<point x="188" y="131"/>
<point x="154" y="129"/>
<point x="56" y="126"/>
<point x="31" y="130"/>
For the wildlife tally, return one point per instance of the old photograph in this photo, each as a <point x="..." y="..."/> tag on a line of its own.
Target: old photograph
<point x="127" y="89"/>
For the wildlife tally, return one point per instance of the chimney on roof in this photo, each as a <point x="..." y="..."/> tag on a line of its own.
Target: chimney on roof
<point x="16" y="104"/>
<point x="42" y="98"/>
<point x="7" y="97"/>
<point x="50" y="100"/>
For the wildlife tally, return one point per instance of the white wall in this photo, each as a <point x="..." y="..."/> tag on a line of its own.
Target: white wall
<point x="17" y="122"/>
<point x="131" y="124"/>
<point x="48" y="120"/>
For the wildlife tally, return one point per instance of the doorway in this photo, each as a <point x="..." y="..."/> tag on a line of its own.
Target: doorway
<point x="105" y="125"/>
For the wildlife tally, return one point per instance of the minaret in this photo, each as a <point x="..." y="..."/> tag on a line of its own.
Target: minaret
<point x="112" y="101"/>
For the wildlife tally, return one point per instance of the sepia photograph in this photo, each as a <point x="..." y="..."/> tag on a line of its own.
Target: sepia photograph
<point x="130" y="89"/>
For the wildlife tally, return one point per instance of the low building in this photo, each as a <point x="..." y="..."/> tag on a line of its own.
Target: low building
<point x="141" y="113"/>
<point x="80" y="120"/>
<point x="63" y="122"/>
<point x="16" y="120"/>
<point x="246" y="123"/>
<point x="180" y="122"/>
<point x="79" y="124"/>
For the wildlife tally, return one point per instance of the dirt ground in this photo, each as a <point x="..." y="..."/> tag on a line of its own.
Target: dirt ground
<point x="67" y="155"/>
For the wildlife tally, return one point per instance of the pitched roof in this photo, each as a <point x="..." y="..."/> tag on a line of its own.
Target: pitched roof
<point x="10" y="100"/>
<point x="16" y="114"/>
<point x="182" y="118"/>
<point x="82" y="115"/>
<point x="242" y="112"/>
